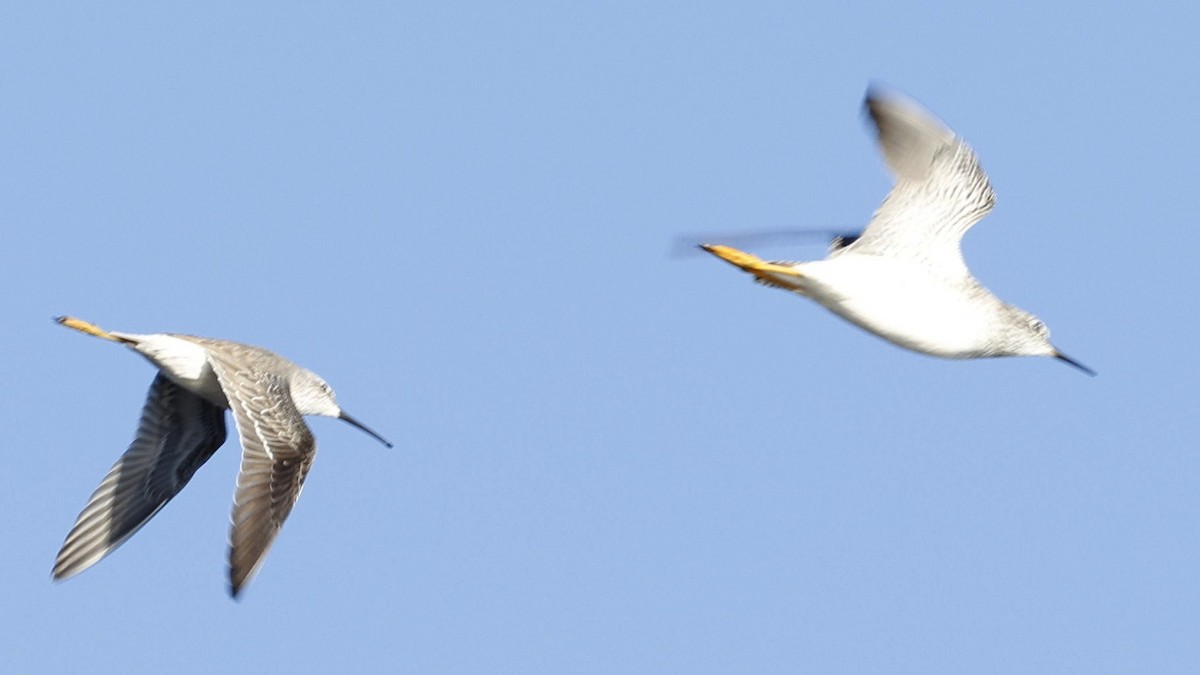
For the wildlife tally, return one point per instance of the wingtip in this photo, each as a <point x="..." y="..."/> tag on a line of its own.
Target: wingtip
<point x="58" y="573"/>
<point x="877" y="90"/>
<point x="67" y="566"/>
<point x="872" y="93"/>
<point x="880" y="95"/>
<point x="236" y="586"/>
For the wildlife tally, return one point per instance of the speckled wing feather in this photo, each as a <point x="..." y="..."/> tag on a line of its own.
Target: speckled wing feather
<point x="178" y="432"/>
<point x="277" y="452"/>
<point x="940" y="191"/>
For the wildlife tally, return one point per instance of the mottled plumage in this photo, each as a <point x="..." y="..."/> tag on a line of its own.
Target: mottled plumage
<point x="183" y="424"/>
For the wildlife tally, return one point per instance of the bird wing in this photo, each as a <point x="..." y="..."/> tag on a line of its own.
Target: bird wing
<point x="178" y="432"/>
<point x="940" y="190"/>
<point x="277" y="452"/>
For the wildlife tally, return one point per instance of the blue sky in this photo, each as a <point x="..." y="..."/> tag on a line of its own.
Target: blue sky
<point x="608" y="459"/>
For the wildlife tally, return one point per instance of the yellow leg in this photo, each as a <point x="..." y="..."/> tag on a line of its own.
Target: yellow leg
<point x="85" y="327"/>
<point x="766" y="272"/>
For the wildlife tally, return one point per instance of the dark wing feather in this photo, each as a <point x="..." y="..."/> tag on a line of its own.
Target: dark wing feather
<point x="177" y="434"/>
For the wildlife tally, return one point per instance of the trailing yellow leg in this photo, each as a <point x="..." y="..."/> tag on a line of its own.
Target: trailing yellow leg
<point x="85" y="327"/>
<point x="766" y="272"/>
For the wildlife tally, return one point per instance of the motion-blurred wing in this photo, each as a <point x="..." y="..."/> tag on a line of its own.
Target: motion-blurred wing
<point x="834" y="238"/>
<point x="940" y="190"/>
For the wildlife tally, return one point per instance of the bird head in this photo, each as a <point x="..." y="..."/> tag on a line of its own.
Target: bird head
<point x="313" y="396"/>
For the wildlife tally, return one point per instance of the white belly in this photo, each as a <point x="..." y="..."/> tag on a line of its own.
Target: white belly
<point x="902" y="303"/>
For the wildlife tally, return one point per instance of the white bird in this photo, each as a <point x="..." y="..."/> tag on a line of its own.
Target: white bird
<point x="183" y="424"/>
<point x="904" y="278"/>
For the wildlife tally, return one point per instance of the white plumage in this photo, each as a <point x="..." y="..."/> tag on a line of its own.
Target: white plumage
<point x="904" y="278"/>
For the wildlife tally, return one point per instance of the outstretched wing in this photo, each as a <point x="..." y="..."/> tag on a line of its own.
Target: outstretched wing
<point x="178" y="432"/>
<point x="940" y="190"/>
<point x="277" y="452"/>
<point x="834" y="238"/>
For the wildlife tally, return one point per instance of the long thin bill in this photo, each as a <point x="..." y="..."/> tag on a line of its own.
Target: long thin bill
<point x="345" y="416"/>
<point x="1063" y="357"/>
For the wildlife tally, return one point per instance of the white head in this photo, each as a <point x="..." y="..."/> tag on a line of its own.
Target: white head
<point x="1029" y="336"/>
<point x="313" y="396"/>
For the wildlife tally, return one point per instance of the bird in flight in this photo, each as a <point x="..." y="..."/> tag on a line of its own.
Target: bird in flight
<point x="904" y="278"/>
<point x="183" y="424"/>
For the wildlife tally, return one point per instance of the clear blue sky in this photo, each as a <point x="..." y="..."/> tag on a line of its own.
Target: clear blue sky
<point x="609" y="460"/>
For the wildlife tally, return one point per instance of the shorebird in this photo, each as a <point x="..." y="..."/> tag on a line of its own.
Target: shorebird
<point x="183" y="424"/>
<point x="904" y="278"/>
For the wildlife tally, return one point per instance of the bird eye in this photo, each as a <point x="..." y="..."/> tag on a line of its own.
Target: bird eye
<point x="1039" y="327"/>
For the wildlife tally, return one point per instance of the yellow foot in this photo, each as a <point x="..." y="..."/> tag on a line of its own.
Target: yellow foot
<point x="85" y="327"/>
<point x="766" y="272"/>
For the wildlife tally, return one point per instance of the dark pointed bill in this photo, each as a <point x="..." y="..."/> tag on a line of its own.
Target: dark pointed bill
<point x="346" y="417"/>
<point x="1063" y="357"/>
